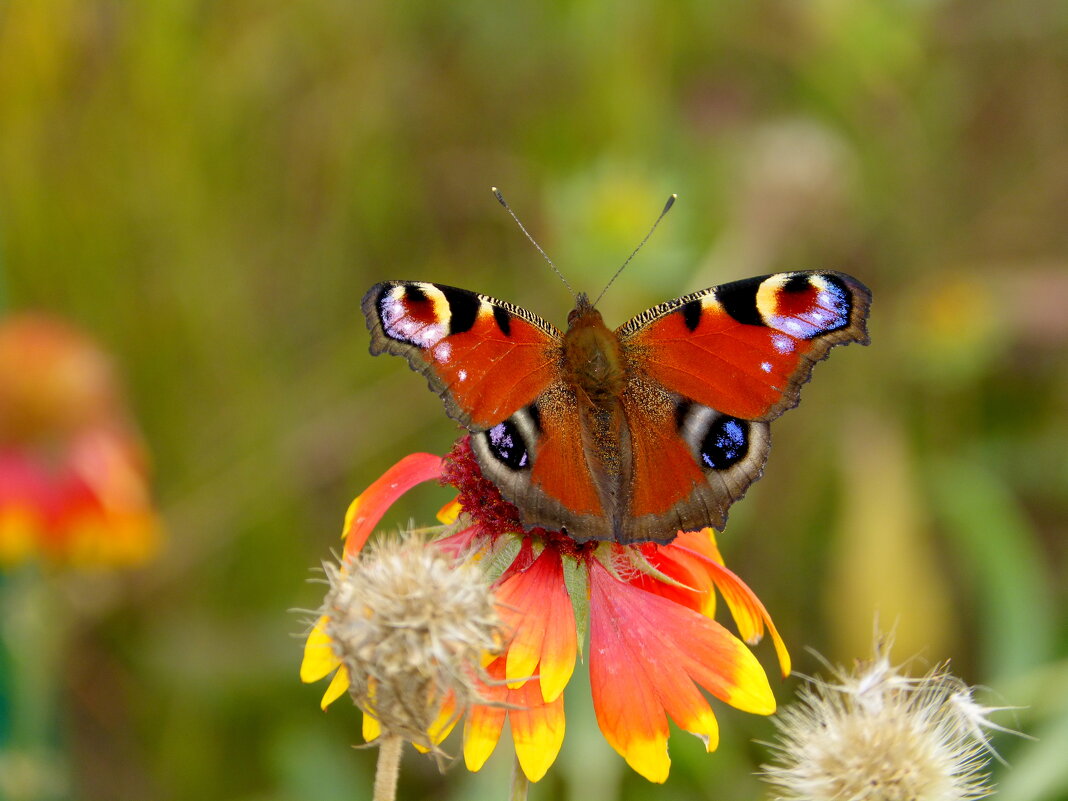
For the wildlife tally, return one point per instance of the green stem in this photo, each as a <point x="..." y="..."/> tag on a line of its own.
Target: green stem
<point x="32" y="633"/>
<point x="388" y="768"/>
<point x="520" y="782"/>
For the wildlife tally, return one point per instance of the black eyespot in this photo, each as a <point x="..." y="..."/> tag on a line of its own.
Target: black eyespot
<point x="507" y="446"/>
<point x="726" y="443"/>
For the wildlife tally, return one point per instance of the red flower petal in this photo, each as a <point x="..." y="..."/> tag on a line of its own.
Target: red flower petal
<point x="365" y="512"/>
<point x="537" y="728"/>
<point x="694" y="584"/>
<point x="646" y="652"/>
<point x="746" y="608"/>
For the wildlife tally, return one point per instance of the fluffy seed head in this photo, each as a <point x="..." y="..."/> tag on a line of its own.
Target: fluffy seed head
<point x="411" y="625"/>
<point x="874" y="734"/>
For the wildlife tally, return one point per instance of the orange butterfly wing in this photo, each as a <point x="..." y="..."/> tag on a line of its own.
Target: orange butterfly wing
<point x="486" y="358"/>
<point x="732" y="358"/>
<point x="496" y="367"/>
<point x="745" y="348"/>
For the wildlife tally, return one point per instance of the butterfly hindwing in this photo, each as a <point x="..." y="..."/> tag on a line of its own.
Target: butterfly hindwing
<point x="539" y="462"/>
<point x="690" y="465"/>
<point x="484" y="357"/>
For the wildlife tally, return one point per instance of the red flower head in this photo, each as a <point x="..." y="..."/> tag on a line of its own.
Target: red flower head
<point x="73" y="486"/>
<point x="648" y="608"/>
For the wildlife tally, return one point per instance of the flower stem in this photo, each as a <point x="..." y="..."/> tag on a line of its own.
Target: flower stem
<point x="32" y="636"/>
<point x="388" y="768"/>
<point x="520" y="783"/>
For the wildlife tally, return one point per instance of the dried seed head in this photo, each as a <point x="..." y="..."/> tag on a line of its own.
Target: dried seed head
<point x="411" y="625"/>
<point x="874" y="734"/>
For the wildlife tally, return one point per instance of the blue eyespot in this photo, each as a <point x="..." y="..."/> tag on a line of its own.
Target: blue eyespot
<point x="507" y="445"/>
<point x="726" y="443"/>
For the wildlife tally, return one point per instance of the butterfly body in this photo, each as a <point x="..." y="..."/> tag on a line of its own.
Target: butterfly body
<point x="632" y="434"/>
<point x="592" y="359"/>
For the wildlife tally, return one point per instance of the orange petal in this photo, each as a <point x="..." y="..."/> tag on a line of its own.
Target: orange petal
<point x="625" y="701"/>
<point x="723" y="665"/>
<point x="443" y="724"/>
<point x="711" y="655"/>
<point x="696" y="584"/>
<point x="522" y="604"/>
<point x="365" y="512"/>
<point x="537" y="726"/>
<point x="746" y="608"/>
<point x="448" y="514"/>
<point x="646" y="653"/>
<point x="560" y="647"/>
<point x="702" y="542"/>
<point x="371" y="728"/>
<point x="675" y="690"/>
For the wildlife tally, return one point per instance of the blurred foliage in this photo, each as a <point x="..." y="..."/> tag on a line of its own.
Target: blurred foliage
<point x="210" y="187"/>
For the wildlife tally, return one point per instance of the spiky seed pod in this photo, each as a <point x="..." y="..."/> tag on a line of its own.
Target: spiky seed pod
<point x="874" y="734"/>
<point x="411" y="625"/>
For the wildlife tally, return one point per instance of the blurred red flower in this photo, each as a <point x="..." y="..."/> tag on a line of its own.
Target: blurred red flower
<point x="73" y="478"/>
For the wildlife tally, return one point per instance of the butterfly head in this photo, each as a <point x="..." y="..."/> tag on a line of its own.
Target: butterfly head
<point x="583" y="309"/>
<point x="593" y="361"/>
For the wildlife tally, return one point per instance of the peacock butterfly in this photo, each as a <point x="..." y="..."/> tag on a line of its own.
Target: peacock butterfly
<point x="628" y="435"/>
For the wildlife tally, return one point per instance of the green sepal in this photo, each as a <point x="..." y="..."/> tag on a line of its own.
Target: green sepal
<point x="501" y="556"/>
<point x="577" y="583"/>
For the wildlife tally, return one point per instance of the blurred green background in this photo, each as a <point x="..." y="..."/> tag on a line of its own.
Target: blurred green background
<point x="210" y="188"/>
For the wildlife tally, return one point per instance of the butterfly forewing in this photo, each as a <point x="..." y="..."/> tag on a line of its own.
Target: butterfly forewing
<point x="486" y="358"/>
<point x="745" y="348"/>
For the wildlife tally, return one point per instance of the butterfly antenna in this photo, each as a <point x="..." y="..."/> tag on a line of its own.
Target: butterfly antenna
<point x="500" y="199"/>
<point x="667" y="207"/>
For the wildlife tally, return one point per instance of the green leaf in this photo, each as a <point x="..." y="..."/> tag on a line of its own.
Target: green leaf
<point x="998" y="544"/>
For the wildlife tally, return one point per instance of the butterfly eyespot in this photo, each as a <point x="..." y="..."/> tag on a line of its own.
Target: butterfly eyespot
<point x="414" y="314"/>
<point x="806" y="306"/>
<point x="726" y="443"/>
<point x="506" y="445"/>
<point x="717" y="441"/>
